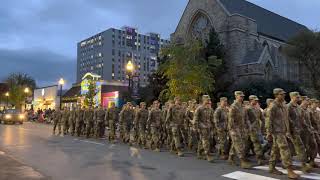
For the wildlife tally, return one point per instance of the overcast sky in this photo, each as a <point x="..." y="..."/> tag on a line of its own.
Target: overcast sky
<point x="39" y="37"/>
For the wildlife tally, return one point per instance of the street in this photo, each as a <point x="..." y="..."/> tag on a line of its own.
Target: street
<point x="34" y="153"/>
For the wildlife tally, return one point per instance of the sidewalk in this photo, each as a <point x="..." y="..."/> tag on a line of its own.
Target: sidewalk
<point x="13" y="169"/>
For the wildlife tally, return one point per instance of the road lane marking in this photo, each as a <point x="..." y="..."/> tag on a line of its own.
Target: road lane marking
<point x="307" y="176"/>
<point x="239" y="175"/>
<point x="92" y="142"/>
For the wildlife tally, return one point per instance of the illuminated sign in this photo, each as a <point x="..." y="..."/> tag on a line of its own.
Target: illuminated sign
<point x="110" y="97"/>
<point x="89" y="77"/>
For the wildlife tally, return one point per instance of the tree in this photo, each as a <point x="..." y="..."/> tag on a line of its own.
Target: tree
<point x="305" y="48"/>
<point x="214" y="48"/>
<point x="17" y="82"/>
<point x="187" y="70"/>
<point x="90" y="95"/>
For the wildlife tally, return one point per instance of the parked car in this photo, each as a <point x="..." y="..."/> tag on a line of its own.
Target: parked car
<point x="12" y="116"/>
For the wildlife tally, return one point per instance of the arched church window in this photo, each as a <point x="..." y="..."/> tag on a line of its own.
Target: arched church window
<point x="200" y="27"/>
<point x="268" y="71"/>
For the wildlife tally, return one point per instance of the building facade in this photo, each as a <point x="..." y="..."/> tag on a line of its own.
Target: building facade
<point x="108" y="52"/>
<point x="46" y="97"/>
<point x="254" y="38"/>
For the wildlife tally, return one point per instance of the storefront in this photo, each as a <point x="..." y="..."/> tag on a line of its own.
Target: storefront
<point x="46" y="97"/>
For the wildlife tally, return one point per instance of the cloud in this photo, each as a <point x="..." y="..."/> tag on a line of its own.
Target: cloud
<point x="43" y="65"/>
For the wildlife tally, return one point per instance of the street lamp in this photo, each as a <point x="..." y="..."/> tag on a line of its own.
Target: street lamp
<point x="61" y="83"/>
<point x="26" y="91"/>
<point x="7" y="96"/>
<point x="130" y="69"/>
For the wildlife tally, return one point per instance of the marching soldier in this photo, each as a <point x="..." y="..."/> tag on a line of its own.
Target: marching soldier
<point x="141" y="123"/>
<point x="64" y="120"/>
<point x="126" y="120"/>
<point x="237" y="128"/>
<point x="99" y="122"/>
<point x="57" y="122"/>
<point x="111" y="119"/>
<point x="295" y="125"/>
<point x="175" y="118"/>
<point x="72" y="121"/>
<point x="154" y="120"/>
<point x="79" y="121"/>
<point x="278" y="130"/>
<point x="188" y="123"/>
<point x="220" y="121"/>
<point x="314" y="119"/>
<point x="88" y="118"/>
<point x="204" y="122"/>
<point x="253" y="116"/>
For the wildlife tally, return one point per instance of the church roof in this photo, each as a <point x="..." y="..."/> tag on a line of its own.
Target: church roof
<point x="269" y="23"/>
<point x="252" y="56"/>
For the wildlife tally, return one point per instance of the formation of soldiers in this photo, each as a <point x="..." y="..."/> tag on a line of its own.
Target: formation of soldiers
<point x="243" y="128"/>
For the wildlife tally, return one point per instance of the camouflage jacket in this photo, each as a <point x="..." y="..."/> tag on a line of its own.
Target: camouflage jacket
<point x="221" y="118"/>
<point x="278" y="119"/>
<point x="154" y="118"/>
<point x="236" y="118"/>
<point x="175" y="115"/>
<point x="203" y="117"/>
<point x="111" y="115"/>
<point x="295" y="119"/>
<point x="141" y="117"/>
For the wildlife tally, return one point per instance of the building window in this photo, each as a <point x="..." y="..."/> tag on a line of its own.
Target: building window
<point x="113" y="52"/>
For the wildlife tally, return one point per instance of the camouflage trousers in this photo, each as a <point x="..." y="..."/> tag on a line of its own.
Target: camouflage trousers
<point x="176" y="137"/>
<point x="99" y="129"/>
<point x="254" y="138"/>
<point x="204" y="144"/>
<point x="155" y="137"/>
<point x="238" y="144"/>
<point x="79" y="126"/>
<point x="126" y="132"/>
<point x="112" y="131"/>
<point x="55" y="124"/>
<point x="222" y="141"/>
<point x="142" y="135"/>
<point x="299" y="147"/>
<point x="310" y="144"/>
<point x="135" y="133"/>
<point x="72" y="126"/>
<point x="65" y="125"/>
<point x="89" y="126"/>
<point x="317" y="138"/>
<point x="280" y="147"/>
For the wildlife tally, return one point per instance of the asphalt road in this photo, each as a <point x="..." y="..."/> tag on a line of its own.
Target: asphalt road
<point x="33" y="152"/>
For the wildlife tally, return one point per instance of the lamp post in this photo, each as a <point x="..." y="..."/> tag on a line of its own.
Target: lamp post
<point x="130" y="69"/>
<point x="7" y="96"/>
<point x="61" y="83"/>
<point x="26" y="91"/>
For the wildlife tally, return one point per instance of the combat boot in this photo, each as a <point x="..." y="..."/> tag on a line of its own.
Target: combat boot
<point x="245" y="164"/>
<point x="180" y="153"/>
<point x="273" y="170"/>
<point x="291" y="174"/>
<point x="209" y="158"/>
<point x="157" y="150"/>
<point x="223" y="156"/>
<point x="313" y="164"/>
<point x="260" y="161"/>
<point x="306" y="168"/>
<point x="231" y="160"/>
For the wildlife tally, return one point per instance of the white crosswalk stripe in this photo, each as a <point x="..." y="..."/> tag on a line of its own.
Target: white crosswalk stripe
<point x="307" y="176"/>
<point x="240" y="175"/>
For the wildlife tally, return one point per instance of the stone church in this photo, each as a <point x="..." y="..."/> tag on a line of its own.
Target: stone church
<point x="253" y="37"/>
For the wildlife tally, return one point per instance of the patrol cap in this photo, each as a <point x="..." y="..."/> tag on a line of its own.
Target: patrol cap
<point x="294" y="94"/>
<point x="269" y="100"/>
<point x="314" y="100"/>
<point x="304" y="98"/>
<point x="223" y="99"/>
<point x="206" y="97"/>
<point x="239" y="93"/>
<point x="277" y="91"/>
<point x="253" y="97"/>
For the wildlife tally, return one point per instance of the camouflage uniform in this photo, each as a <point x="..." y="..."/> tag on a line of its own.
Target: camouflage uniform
<point x="79" y="121"/>
<point x="314" y="119"/>
<point x="111" y="117"/>
<point x="154" y="119"/>
<point x="204" y="122"/>
<point x="188" y="125"/>
<point x="99" y="123"/>
<point x="295" y="124"/>
<point x="64" y="120"/>
<point x="278" y="126"/>
<point x="88" y="119"/>
<point x="221" y="121"/>
<point x="307" y="135"/>
<point x="72" y="121"/>
<point x="141" y="123"/>
<point x="57" y="121"/>
<point x="253" y="116"/>
<point x="175" y="118"/>
<point x="126" y="120"/>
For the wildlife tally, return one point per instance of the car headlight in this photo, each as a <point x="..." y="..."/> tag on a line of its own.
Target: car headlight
<point x="21" y="116"/>
<point x="8" y="116"/>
